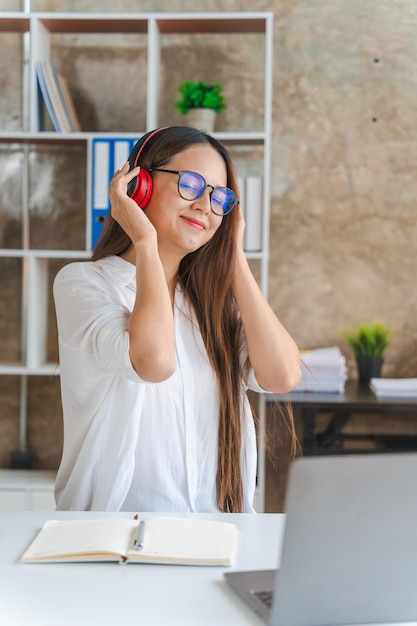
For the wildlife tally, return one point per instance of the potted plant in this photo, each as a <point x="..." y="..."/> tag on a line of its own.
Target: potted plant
<point x="368" y="342"/>
<point x="200" y="102"/>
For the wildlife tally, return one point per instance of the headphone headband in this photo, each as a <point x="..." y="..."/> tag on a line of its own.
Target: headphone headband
<point x="140" y="188"/>
<point x="147" y="140"/>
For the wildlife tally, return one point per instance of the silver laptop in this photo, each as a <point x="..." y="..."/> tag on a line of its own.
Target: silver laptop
<point x="349" y="553"/>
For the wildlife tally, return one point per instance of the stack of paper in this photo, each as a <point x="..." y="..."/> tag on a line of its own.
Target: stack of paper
<point x="394" y="387"/>
<point x="323" y="370"/>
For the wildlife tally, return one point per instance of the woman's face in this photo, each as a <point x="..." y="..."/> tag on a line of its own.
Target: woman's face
<point x="183" y="226"/>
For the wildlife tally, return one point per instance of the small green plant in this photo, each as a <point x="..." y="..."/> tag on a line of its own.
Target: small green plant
<point x="196" y="95"/>
<point x="368" y="340"/>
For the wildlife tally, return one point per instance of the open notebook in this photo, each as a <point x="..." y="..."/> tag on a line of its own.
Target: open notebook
<point x="349" y="552"/>
<point x="155" y="539"/>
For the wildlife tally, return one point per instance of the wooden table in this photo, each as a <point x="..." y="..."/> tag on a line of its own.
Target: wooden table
<point x="356" y="399"/>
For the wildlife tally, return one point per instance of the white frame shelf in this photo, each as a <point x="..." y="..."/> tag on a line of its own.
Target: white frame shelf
<point x="36" y="28"/>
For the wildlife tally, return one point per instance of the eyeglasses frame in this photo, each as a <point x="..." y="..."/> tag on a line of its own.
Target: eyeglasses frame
<point x="179" y="172"/>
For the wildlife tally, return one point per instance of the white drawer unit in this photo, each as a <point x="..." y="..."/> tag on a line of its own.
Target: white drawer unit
<point x="27" y="490"/>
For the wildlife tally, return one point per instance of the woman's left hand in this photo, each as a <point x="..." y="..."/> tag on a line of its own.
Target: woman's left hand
<point x="273" y="353"/>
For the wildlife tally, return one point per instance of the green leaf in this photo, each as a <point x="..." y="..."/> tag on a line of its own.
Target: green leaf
<point x="200" y="94"/>
<point x="368" y="340"/>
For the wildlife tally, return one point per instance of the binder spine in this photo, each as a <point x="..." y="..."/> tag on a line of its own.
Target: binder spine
<point x="108" y="155"/>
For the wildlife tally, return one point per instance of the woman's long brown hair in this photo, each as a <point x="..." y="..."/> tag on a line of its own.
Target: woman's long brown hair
<point x="206" y="277"/>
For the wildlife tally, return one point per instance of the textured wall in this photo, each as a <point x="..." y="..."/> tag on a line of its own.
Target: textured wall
<point x="343" y="226"/>
<point x="344" y="216"/>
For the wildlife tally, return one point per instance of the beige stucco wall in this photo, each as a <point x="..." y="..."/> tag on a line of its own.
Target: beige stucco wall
<point x="344" y="206"/>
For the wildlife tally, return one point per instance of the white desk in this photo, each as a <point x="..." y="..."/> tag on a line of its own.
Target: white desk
<point x="104" y="594"/>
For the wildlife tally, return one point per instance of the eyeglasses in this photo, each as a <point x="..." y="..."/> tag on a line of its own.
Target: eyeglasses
<point x="192" y="185"/>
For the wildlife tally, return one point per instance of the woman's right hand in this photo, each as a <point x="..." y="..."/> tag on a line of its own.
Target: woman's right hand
<point x="151" y="321"/>
<point x="124" y="210"/>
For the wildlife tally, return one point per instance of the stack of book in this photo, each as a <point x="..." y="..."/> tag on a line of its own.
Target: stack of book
<point x="394" y="387"/>
<point x="57" y="98"/>
<point x="323" y="370"/>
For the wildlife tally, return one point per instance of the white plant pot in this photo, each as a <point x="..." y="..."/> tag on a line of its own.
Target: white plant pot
<point x="203" y="119"/>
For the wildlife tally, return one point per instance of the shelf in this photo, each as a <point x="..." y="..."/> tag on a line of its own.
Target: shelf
<point x="15" y="369"/>
<point x="45" y="254"/>
<point x="27" y="479"/>
<point x="243" y="138"/>
<point x="14" y="23"/>
<point x="169" y="23"/>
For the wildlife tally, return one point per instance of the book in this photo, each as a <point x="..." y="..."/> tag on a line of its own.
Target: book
<point x="153" y="539"/>
<point x="46" y="96"/>
<point x="51" y="80"/>
<point x="68" y="103"/>
<point x="57" y="98"/>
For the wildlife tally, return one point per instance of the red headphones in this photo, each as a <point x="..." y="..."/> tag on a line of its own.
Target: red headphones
<point x="140" y="188"/>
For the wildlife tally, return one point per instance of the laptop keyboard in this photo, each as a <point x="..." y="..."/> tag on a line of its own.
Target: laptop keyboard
<point x="266" y="597"/>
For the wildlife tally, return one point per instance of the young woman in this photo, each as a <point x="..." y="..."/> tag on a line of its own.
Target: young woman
<point x="160" y="336"/>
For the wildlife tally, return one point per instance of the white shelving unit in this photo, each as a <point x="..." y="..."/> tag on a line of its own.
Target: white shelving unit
<point x="37" y="31"/>
<point x="26" y="490"/>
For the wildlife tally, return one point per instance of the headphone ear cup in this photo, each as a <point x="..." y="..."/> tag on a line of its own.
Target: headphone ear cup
<point x="142" y="189"/>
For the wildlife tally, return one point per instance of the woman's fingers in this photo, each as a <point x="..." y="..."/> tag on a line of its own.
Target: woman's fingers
<point x="124" y="175"/>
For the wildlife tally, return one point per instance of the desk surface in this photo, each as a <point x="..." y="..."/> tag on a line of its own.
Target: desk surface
<point x="111" y="594"/>
<point x="355" y="396"/>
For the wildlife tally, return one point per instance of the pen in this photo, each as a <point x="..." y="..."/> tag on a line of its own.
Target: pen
<point x="138" y="543"/>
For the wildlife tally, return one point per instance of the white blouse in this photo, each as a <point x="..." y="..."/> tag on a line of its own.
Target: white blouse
<point x="129" y="444"/>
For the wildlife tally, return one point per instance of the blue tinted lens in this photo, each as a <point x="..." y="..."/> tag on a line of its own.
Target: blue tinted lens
<point x="223" y="200"/>
<point x="191" y="185"/>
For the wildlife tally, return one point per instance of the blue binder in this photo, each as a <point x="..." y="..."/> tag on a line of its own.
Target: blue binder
<point x="108" y="155"/>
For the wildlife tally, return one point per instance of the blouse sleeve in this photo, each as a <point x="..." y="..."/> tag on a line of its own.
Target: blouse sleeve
<point x="92" y="317"/>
